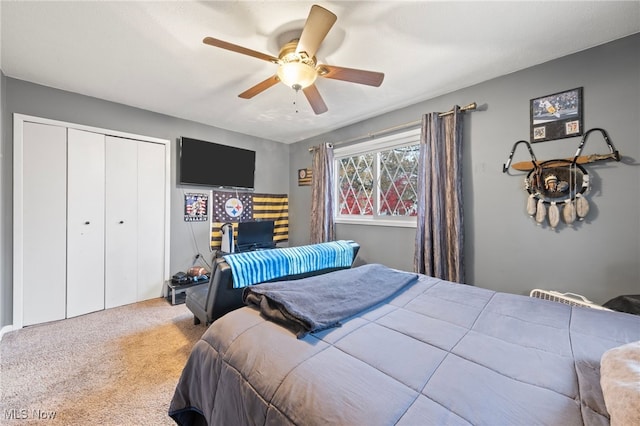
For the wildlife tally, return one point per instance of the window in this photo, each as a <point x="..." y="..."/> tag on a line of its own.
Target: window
<point x="377" y="181"/>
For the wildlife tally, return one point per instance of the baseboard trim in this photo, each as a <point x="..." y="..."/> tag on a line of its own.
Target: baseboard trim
<point x="5" y="329"/>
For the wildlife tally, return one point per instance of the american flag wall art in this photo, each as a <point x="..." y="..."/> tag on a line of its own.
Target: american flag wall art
<point x="236" y="207"/>
<point x="196" y="207"/>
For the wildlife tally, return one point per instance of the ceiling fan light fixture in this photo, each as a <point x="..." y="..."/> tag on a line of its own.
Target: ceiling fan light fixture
<point x="297" y="66"/>
<point x="297" y="75"/>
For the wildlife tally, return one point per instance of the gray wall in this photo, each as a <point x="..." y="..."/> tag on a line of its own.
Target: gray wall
<point x="5" y="222"/>
<point x="187" y="238"/>
<point x="504" y="249"/>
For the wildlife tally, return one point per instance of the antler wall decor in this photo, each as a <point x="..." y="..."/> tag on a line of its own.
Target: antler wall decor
<point x="557" y="182"/>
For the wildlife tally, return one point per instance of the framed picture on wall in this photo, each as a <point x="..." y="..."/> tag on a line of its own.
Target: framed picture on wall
<point x="556" y="116"/>
<point x="304" y="177"/>
<point x="196" y="207"/>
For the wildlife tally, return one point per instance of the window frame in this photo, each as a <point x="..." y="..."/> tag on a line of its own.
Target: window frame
<point x="396" y="140"/>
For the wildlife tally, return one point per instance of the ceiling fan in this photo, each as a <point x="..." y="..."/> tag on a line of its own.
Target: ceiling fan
<point x="297" y="65"/>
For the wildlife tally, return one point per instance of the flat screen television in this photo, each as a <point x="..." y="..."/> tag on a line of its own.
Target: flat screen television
<point x="211" y="164"/>
<point x="255" y="235"/>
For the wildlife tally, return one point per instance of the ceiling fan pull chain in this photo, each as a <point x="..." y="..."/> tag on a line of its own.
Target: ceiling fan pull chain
<point x="295" y="103"/>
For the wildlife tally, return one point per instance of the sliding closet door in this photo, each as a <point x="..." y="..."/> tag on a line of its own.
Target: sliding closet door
<point x="121" y="244"/>
<point x="151" y="219"/>
<point x="44" y="218"/>
<point x="85" y="222"/>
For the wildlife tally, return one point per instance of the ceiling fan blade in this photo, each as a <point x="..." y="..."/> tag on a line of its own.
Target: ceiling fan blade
<point x="318" y="24"/>
<point x="314" y="98"/>
<point x="370" y="78"/>
<point x="260" y="87"/>
<point x="239" y="49"/>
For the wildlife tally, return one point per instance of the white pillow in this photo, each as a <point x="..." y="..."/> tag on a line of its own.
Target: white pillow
<point x="620" y="382"/>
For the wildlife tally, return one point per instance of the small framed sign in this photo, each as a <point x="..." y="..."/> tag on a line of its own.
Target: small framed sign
<point x="196" y="207"/>
<point x="304" y="177"/>
<point x="556" y="116"/>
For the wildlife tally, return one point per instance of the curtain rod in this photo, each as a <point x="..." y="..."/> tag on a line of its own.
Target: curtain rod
<point x="471" y="107"/>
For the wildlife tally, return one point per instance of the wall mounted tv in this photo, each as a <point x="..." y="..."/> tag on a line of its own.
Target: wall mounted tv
<point x="212" y="164"/>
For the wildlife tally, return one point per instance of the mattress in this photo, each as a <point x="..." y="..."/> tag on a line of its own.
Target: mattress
<point x="436" y="352"/>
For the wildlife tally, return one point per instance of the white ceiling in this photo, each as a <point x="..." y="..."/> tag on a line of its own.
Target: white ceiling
<point x="150" y="54"/>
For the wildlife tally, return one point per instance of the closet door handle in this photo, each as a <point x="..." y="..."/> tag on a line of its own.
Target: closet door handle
<point x="87" y="223"/>
<point x="121" y="222"/>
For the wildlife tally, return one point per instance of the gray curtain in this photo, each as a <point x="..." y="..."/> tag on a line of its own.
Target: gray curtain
<point x="440" y="227"/>
<point x="322" y="225"/>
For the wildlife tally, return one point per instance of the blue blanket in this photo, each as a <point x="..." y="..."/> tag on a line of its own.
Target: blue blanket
<point x="322" y="301"/>
<point x="255" y="267"/>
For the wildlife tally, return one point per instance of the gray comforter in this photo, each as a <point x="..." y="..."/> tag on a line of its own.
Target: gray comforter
<point x="437" y="353"/>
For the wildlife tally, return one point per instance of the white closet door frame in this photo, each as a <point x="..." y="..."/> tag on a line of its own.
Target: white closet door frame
<point x="18" y="206"/>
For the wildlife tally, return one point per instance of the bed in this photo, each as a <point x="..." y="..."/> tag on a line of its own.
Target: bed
<point x="425" y="352"/>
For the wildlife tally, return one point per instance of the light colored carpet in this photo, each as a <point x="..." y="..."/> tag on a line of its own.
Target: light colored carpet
<point x="114" y="367"/>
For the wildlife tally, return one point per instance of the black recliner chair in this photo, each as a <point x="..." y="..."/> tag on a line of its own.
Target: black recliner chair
<point x="210" y="302"/>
